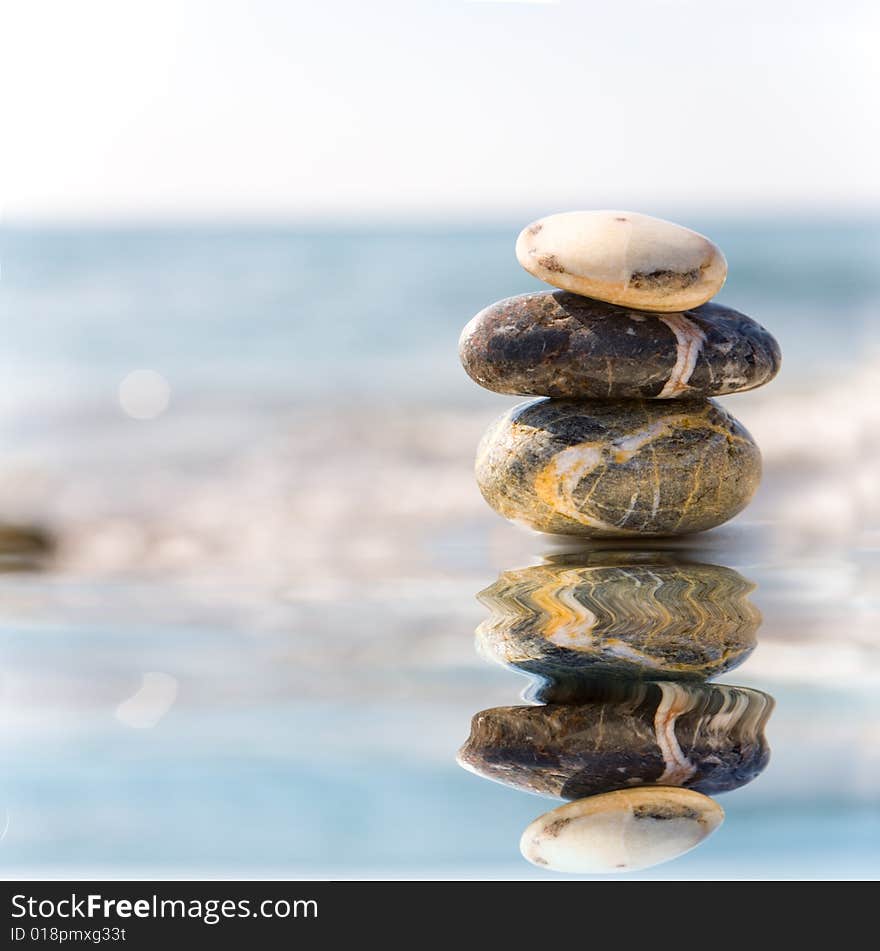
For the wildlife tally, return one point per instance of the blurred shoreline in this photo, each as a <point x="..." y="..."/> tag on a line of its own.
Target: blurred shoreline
<point x="260" y="603"/>
<point x="320" y="433"/>
<point x="257" y="490"/>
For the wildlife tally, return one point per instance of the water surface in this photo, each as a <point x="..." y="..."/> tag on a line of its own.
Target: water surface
<point x="249" y="647"/>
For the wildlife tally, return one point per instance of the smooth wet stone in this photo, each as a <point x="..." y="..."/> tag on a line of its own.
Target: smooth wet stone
<point x="624" y="258"/>
<point x="621" y="831"/>
<point x="553" y="343"/>
<point x="708" y="737"/>
<point x="618" y="469"/>
<point x="637" y="615"/>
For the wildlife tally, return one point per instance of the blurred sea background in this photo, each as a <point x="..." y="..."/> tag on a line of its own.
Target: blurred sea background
<point x="247" y="648"/>
<point x="240" y="535"/>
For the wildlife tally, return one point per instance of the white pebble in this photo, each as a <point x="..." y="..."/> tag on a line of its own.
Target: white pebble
<point x="621" y="831"/>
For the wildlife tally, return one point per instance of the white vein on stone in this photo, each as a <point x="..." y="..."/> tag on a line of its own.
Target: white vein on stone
<point x="674" y="701"/>
<point x="689" y="340"/>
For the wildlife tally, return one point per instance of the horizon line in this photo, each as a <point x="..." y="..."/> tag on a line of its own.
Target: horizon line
<point x="462" y="219"/>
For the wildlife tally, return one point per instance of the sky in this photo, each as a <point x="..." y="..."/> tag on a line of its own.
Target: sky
<point x="358" y="109"/>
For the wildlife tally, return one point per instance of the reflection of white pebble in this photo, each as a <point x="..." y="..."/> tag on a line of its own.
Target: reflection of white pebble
<point x="144" y="394"/>
<point x="146" y="708"/>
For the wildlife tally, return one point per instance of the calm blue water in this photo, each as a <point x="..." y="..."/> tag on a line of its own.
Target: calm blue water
<point x="323" y="682"/>
<point x="331" y="313"/>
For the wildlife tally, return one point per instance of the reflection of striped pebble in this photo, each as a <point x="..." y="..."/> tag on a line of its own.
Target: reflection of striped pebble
<point x="615" y="617"/>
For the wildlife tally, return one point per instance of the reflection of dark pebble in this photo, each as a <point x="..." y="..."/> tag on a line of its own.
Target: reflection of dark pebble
<point x="708" y="737"/>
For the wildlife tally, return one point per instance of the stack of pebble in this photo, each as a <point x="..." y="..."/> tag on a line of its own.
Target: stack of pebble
<point x="627" y="442"/>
